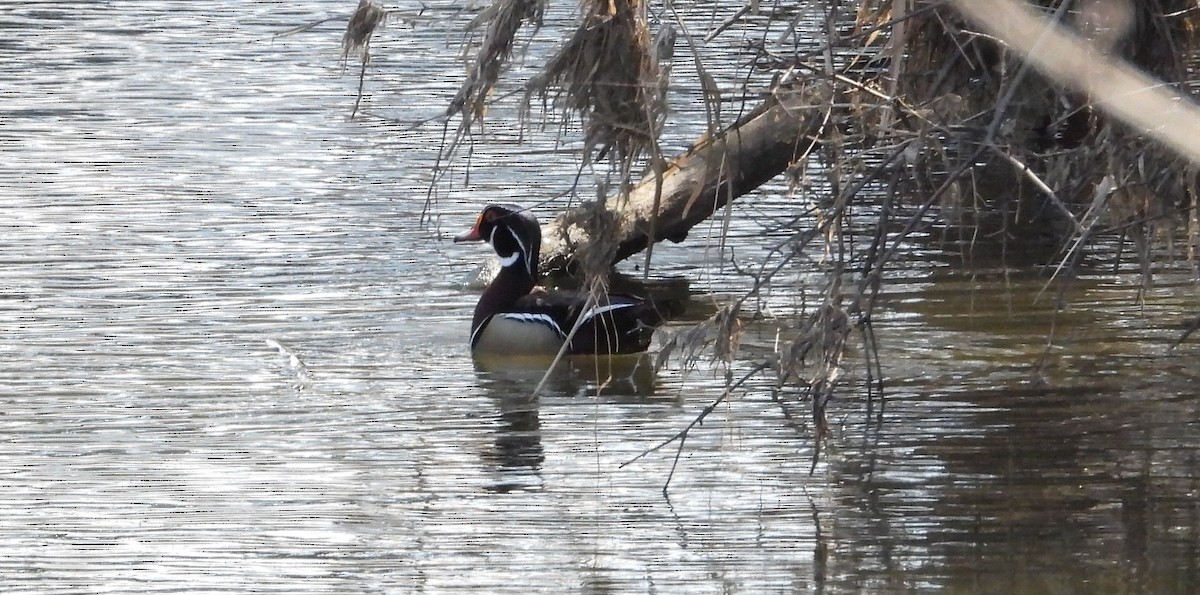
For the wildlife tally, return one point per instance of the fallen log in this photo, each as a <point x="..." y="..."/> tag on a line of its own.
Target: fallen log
<point x="696" y="184"/>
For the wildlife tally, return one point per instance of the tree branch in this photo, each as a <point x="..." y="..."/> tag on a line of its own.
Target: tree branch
<point x="709" y="175"/>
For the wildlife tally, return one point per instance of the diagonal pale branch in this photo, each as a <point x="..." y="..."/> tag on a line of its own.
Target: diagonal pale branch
<point x="1141" y="101"/>
<point x="712" y="173"/>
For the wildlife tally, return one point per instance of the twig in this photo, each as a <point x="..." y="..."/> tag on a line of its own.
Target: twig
<point x="728" y="23"/>
<point x="1084" y="231"/>
<point x="1189" y="327"/>
<point x="362" y="74"/>
<point x="708" y="85"/>
<point x="303" y="28"/>
<point x="1041" y="185"/>
<point x="682" y="435"/>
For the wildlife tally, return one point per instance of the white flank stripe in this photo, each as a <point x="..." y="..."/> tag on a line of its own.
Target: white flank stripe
<point x="535" y="318"/>
<point x="598" y="310"/>
<point x="475" y="333"/>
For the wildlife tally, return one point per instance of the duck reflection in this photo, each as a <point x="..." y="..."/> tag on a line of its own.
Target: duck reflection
<point x="511" y="382"/>
<point x="518" y="443"/>
<point x="622" y="378"/>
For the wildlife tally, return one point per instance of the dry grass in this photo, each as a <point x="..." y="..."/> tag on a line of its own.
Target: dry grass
<point x="607" y="74"/>
<point x="367" y="18"/>
<point x="500" y="23"/>
<point x="363" y="23"/>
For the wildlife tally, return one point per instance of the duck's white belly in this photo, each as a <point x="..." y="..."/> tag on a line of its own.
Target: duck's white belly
<point x="508" y="336"/>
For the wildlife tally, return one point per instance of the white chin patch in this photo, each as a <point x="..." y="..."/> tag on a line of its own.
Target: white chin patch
<point x="511" y="259"/>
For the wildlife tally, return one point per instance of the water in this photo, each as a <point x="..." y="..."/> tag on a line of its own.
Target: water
<point x="233" y="359"/>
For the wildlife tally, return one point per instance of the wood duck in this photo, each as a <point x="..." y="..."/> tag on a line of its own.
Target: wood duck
<point x="514" y="318"/>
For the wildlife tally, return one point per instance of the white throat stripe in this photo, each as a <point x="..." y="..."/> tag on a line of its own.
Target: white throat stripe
<point x="511" y="259"/>
<point x="524" y="249"/>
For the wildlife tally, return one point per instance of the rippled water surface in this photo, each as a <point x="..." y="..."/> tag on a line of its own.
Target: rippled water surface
<point x="234" y="360"/>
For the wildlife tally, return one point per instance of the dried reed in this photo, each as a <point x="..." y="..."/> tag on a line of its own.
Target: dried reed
<point x="608" y="75"/>
<point x="368" y="17"/>
<point x="502" y="19"/>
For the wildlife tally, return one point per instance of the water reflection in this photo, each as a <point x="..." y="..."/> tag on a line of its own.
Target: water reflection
<point x="517" y="452"/>
<point x="1014" y="463"/>
<point x="511" y="384"/>
<point x="622" y="378"/>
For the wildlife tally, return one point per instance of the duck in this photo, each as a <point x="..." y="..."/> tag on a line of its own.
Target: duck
<point x="516" y="317"/>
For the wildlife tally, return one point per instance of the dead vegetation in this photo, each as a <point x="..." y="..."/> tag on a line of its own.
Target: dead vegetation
<point x="368" y="17"/>
<point x="608" y="75"/>
<point x="498" y="25"/>
<point x="933" y="119"/>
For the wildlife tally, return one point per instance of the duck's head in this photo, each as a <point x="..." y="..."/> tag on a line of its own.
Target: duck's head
<point x="512" y="232"/>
